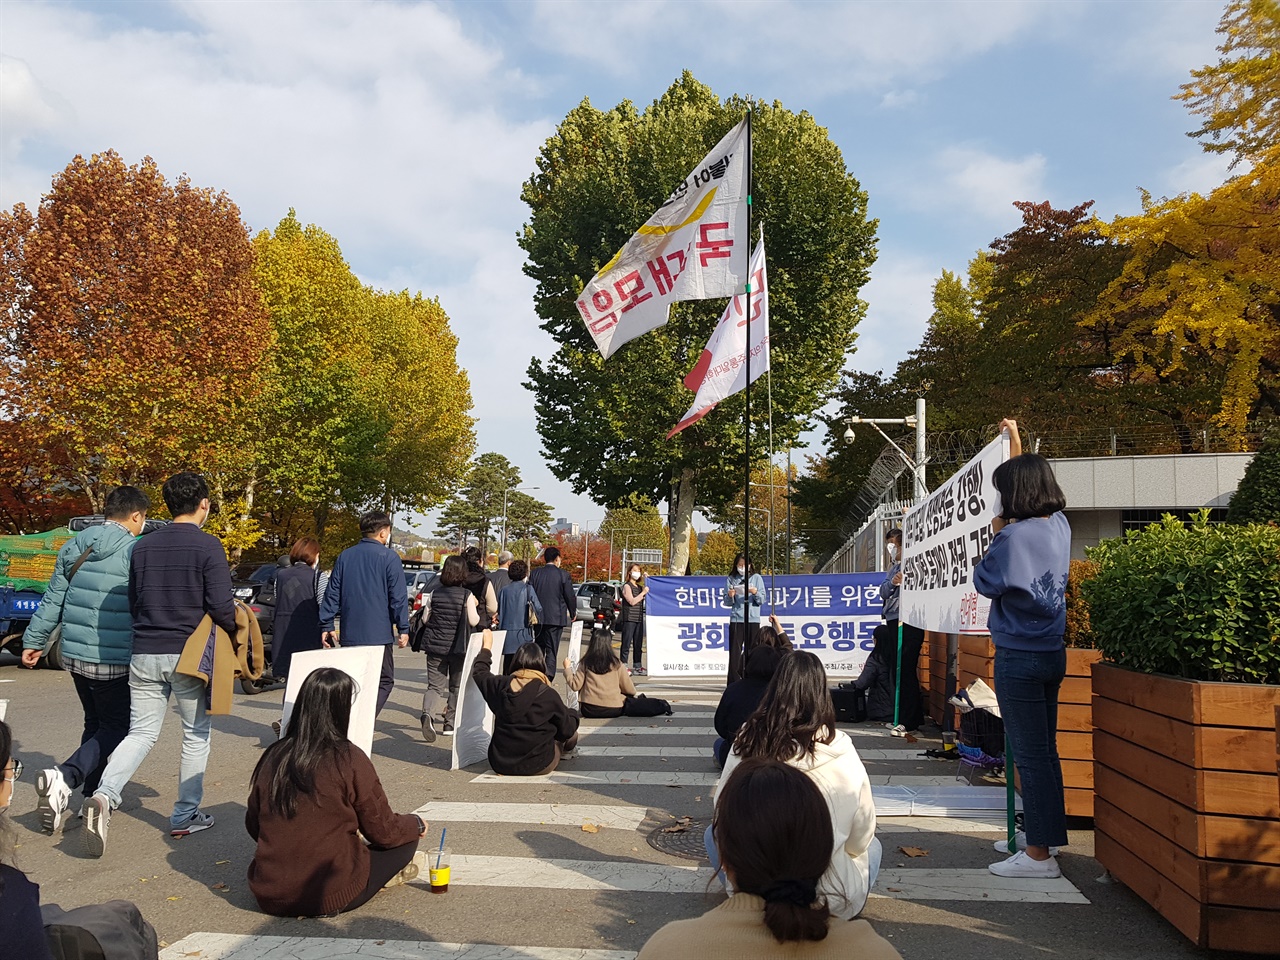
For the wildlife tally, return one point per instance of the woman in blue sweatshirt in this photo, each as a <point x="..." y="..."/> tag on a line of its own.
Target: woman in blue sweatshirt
<point x="1024" y="572"/>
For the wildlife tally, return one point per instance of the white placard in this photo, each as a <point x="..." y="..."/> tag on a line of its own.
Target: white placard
<point x="575" y="654"/>
<point x="363" y="665"/>
<point x="942" y="539"/>
<point x="472" y="718"/>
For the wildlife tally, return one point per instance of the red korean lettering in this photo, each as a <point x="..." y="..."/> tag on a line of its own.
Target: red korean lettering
<point x="661" y="275"/>
<point x="629" y="288"/>
<point x="713" y="248"/>
<point x="601" y="300"/>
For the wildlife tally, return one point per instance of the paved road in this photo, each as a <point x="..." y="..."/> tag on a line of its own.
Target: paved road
<point x="531" y="877"/>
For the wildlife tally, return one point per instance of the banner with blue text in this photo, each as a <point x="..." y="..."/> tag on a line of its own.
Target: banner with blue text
<point x="831" y="615"/>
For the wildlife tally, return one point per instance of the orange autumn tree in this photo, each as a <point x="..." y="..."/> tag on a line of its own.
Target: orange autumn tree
<point x="136" y="329"/>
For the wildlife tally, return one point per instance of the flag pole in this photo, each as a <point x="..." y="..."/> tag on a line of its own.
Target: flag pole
<point x="746" y="445"/>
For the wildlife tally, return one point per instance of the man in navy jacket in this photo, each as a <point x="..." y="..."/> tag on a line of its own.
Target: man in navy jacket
<point x="367" y="591"/>
<point x="554" y="588"/>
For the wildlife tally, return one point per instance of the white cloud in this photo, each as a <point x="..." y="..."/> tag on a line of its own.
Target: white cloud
<point x="899" y="301"/>
<point x="1199" y="173"/>
<point x="986" y="184"/>
<point x="895" y="99"/>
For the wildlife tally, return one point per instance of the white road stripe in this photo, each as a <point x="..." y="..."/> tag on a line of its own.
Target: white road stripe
<point x="660" y="730"/>
<point x="897" y="780"/>
<point x="659" y="778"/>
<point x="939" y="825"/>
<point x="981" y="885"/>
<point x="611" y="750"/>
<point x="245" y="946"/>
<point x="554" y="814"/>
<point x="530" y="872"/>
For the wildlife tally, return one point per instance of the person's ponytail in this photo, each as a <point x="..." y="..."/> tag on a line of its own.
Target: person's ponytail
<point x="793" y="912"/>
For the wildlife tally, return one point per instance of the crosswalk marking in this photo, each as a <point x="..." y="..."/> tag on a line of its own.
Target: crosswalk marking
<point x="953" y="884"/>
<point x="248" y="946"/>
<point x="554" y="814"/>
<point x="611" y="750"/>
<point x="661" y="730"/>
<point x="637" y="777"/>
<point x="480" y="871"/>
<point x="939" y="825"/>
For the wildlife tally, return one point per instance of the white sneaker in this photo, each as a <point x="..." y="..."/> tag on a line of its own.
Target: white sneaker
<point x="898" y="731"/>
<point x="1020" y="865"/>
<point x="1020" y="839"/>
<point x="416" y="868"/>
<point x="54" y="798"/>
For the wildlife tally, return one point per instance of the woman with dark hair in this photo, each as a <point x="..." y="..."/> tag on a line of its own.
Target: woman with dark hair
<point x="444" y="638"/>
<point x="480" y="585"/>
<point x="1024" y="572"/>
<point x="602" y="678"/>
<point x="633" y="593"/>
<point x="514" y="603"/>
<point x="313" y="795"/>
<point x="876" y="679"/>
<point x="773" y="864"/>
<point x="741" y="697"/>
<point x="23" y="930"/>
<point x="796" y="724"/>
<point x="532" y="728"/>
<point x="744" y="594"/>
<point x="295" y="624"/>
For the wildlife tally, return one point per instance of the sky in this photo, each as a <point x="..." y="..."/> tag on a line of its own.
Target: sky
<point x="405" y="130"/>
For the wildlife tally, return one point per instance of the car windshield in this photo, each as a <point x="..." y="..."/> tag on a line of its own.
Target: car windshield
<point x="263" y="573"/>
<point x="410" y="579"/>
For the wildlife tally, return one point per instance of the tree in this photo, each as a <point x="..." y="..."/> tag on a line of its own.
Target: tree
<point x="527" y="522"/>
<point x="136" y="329"/>
<point x="768" y="518"/>
<point x="717" y="553"/>
<point x="1239" y="96"/>
<point x="477" y="508"/>
<point x="572" y="549"/>
<point x="598" y="178"/>
<point x="1257" y="499"/>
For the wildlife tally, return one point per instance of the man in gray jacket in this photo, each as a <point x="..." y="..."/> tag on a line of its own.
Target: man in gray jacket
<point x="89" y="595"/>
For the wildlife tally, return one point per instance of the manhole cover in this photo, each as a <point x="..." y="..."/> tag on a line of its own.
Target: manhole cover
<point x="681" y="838"/>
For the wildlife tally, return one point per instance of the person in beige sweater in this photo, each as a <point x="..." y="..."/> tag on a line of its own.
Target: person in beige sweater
<point x="606" y="687"/>
<point x="773" y="863"/>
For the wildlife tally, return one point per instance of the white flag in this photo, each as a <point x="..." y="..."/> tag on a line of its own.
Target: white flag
<point x="721" y="371"/>
<point x="688" y="250"/>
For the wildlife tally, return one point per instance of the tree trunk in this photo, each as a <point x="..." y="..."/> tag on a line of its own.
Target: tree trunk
<point x="682" y="522"/>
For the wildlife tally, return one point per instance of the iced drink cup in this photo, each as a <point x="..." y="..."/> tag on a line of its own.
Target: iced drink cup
<point x="438" y="870"/>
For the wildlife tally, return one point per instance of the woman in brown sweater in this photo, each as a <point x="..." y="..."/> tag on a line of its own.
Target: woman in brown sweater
<point x="773" y="864"/>
<point x="607" y="690"/>
<point x="310" y="794"/>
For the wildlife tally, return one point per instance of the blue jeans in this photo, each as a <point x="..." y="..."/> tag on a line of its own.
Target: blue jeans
<point x="152" y="678"/>
<point x="1027" y="684"/>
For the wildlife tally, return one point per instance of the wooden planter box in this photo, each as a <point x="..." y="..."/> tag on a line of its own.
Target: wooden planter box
<point x="1186" y="809"/>
<point x="977" y="661"/>
<point x="933" y="664"/>
<point x="1075" y="731"/>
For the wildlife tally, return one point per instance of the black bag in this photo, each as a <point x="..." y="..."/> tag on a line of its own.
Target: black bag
<point x="461" y="634"/>
<point x="850" y="704"/>
<point x="114" y="930"/>
<point x="642" y="706"/>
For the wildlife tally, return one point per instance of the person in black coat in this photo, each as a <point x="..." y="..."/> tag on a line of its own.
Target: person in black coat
<point x="741" y="697"/>
<point x="554" y="588"/>
<point x="876" y="679"/>
<point x="481" y="586"/>
<point x="295" y="624"/>
<point x="532" y="727"/>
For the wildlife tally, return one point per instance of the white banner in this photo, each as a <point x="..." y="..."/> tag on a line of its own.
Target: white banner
<point x="688" y="250"/>
<point x="472" y="718"/>
<point x="721" y="370"/>
<point x="361" y="664"/>
<point x="831" y="615"/>
<point x="575" y="654"/>
<point x="942" y="539"/>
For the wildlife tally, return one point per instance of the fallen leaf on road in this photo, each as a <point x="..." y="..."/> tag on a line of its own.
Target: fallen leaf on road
<point x="173" y="898"/>
<point x="675" y="828"/>
<point x="674" y="786"/>
<point x="697" y="799"/>
<point x="895" y="889"/>
<point x="220" y="862"/>
<point x="220" y="886"/>
<point x="630" y="921"/>
<point x="635" y="849"/>
<point x="590" y="828"/>
<point x="914" y="851"/>
<point x="910" y="739"/>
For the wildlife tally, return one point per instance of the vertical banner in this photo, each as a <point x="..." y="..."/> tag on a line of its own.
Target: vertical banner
<point x="575" y="653"/>
<point x="363" y="665"/>
<point x="942" y="539"/>
<point x="472" y="718"/>
<point x="831" y="615"/>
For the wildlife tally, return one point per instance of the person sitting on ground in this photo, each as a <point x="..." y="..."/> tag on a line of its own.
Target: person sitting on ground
<point x="607" y="690"/>
<point x="514" y="603"/>
<point x="532" y="728"/>
<point x="773" y="864"/>
<point x="19" y="897"/>
<point x="876" y="679"/>
<point x="796" y="724"/>
<point x="741" y="697"/>
<point x="313" y="795"/>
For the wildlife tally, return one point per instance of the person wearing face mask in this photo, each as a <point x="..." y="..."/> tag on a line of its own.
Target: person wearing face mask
<point x="910" y="703"/>
<point x="366" y="590"/>
<point x="633" y="594"/>
<point x="19" y="897"/>
<point x="177" y="576"/>
<point x="744" y="594"/>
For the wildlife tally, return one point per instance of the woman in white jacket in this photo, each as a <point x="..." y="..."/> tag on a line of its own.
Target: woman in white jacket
<point x="796" y="724"/>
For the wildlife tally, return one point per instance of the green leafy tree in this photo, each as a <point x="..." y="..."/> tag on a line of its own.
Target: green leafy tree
<point x="598" y="178"/>
<point x="527" y="521"/>
<point x="717" y="553"/>
<point x="476" y="510"/>
<point x="1257" y="499"/>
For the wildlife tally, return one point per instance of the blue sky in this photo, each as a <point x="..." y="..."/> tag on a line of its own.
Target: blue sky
<point x="406" y="129"/>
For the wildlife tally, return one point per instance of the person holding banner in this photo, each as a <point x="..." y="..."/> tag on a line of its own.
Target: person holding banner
<point x="902" y="641"/>
<point x="1024" y="572"/>
<point x="633" y="594"/>
<point x="743" y="593"/>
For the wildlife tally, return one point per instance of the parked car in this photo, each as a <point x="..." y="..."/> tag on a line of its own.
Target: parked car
<point x="419" y="582"/>
<point x="256" y="586"/>
<point x="588" y="592"/>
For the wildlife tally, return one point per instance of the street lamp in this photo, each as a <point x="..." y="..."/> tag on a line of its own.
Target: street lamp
<point x="916" y="463"/>
<point x="504" y="511"/>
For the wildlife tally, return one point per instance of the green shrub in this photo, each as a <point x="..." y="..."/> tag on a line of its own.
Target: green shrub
<point x="1200" y="602"/>
<point x="1257" y="500"/>
<point x="1079" y="629"/>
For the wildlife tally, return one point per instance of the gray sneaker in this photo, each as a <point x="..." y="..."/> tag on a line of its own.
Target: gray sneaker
<point x="193" y="824"/>
<point x="428" y="729"/>
<point x="54" y="798"/>
<point x="97" y="818"/>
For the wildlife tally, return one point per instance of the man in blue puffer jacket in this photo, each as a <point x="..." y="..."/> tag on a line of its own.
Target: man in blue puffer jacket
<point x="92" y="604"/>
